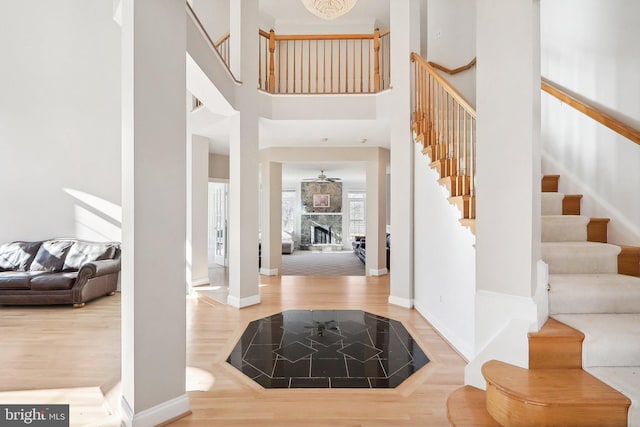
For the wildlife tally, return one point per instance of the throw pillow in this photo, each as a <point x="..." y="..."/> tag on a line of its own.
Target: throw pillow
<point x="83" y="252"/>
<point x="51" y="255"/>
<point x="17" y="256"/>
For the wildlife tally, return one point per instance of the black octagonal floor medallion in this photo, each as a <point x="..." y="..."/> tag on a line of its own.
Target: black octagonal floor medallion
<point x="327" y="349"/>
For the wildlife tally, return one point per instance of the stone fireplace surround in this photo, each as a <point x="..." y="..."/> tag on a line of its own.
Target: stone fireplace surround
<point x="329" y="218"/>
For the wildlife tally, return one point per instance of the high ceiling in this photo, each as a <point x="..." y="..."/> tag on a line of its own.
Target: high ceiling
<point x="293" y="11"/>
<point x="291" y="14"/>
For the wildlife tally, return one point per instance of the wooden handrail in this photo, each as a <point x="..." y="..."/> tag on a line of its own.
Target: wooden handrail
<point x="445" y="84"/>
<point x="445" y="123"/>
<point x="599" y="116"/>
<point x="471" y="64"/>
<point x="324" y="37"/>
<point x="222" y="39"/>
<point x="195" y="18"/>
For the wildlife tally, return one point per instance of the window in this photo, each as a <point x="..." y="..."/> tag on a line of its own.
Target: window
<point x="357" y="210"/>
<point x="288" y="211"/>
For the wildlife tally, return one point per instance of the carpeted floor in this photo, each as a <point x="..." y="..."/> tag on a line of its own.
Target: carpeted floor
<point x="310" y="263"/>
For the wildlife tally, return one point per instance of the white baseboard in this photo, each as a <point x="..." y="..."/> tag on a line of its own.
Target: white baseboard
<point x="381" y="272"/>
<point x="465" y="349"/>
<point x="402" y="302"/>
<point x="155" y="415"/>
<point x="269" y="271"/>
<point x="243" y="302"/>
<point x="199" y="282"/>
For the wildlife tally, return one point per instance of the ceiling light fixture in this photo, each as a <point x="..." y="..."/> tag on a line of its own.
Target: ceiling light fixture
<point x="329" y="9"/>
<point x="363" y="140"/>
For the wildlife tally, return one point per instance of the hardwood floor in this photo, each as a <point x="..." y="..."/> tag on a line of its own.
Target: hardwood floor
<point x="60" y="347"/>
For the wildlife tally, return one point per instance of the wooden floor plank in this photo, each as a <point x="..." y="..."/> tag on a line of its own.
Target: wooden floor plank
<point x="39" y="342"/>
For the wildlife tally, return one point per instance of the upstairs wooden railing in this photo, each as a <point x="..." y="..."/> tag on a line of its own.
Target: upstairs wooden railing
<point x="599" y="116"/>
<point x="223" y="47"/>
<point x="324" y="64"/>
<point x="445" y="123"/>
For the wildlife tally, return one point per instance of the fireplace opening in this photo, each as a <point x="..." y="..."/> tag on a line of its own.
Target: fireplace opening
<point x="320" y="234"/>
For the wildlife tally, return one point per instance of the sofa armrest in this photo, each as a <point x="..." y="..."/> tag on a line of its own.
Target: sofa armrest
<point x="99" y="268"/>
<point x="95" y="279"/>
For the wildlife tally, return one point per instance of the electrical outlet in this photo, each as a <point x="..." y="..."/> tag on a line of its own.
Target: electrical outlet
<point x="438" y="34"/>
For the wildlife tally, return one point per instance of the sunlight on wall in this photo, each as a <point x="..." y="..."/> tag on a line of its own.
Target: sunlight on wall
<point x="96" y="218"/>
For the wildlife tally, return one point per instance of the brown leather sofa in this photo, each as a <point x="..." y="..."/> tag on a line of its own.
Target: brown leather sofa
<point x="57" y="271"/>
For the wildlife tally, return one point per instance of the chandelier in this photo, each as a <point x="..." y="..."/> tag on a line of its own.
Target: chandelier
<point x="329" y="9"/>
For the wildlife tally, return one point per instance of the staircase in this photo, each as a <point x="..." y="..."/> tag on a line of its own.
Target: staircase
<point x="584" y="364"/>
<point x="446" y="129"/>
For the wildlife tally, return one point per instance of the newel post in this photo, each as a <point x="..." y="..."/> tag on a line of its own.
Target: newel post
<point x="376" y="60"/>
<point x="272" y="49"/>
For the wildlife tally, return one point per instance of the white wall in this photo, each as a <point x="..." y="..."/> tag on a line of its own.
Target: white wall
<point x="197" y="210"/>
<point x="214" y="15"/>
<point x="451" y="41"/>
<point x="218" y="166"/>
<point x="591" y="48"/>
<point x="60" y="121"/>
<point x="444" y="260"/>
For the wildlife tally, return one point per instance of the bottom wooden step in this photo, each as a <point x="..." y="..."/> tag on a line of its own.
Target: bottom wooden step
<point x="551" y="397"/>
<point x="467" y="407"/>
<point x="555" y="346"/>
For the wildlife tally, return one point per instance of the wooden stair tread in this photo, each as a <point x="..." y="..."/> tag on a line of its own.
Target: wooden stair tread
<point x="554" y="329"/>
<point x="571" y="204"/>
<point x="467" y="407"/>
<point x="550" y="183"/>
<point x="555" y="346"/>
<point x="551" y="387"/>
<point x="629" y="260"/>
<point x="597" y="230"/>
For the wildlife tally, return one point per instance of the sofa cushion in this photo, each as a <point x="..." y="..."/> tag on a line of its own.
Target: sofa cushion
<point x="51" y="255"/>
<point x="17" y="279"/>
<point x="83" y="252"/>
<point x="17" y="255"/>
<point x="54" y="281"/>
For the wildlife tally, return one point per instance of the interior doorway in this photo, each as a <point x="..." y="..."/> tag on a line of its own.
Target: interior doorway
<point x="218" y="213"/>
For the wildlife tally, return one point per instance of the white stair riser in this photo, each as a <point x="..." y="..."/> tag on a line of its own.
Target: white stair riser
<point x="564" y="228"/>
<point x="565" y="298"/>
<point x="596" y="258"/>
<point x="610" y="339"/>
<point x="552" y="203"/>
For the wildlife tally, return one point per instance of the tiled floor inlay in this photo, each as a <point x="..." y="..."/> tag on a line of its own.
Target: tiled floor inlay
<point x="327" y="349"/>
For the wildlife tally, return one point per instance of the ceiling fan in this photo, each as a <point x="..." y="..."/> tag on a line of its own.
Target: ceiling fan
<point x="322" y="178"/>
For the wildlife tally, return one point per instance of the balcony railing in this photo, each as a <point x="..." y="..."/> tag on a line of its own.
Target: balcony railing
<point x="324" y="64"/>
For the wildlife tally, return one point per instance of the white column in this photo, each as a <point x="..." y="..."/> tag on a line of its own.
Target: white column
<point x="271" y="218"/>
<point x="377" y="214"/>
<point x="405" y="21"/>
<point x="508" y="153"/>
<point x="197" y="210"/>
<point x="243" y="160"/>
<point x="153" y="211"/>
<point x="508" y="266"/>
